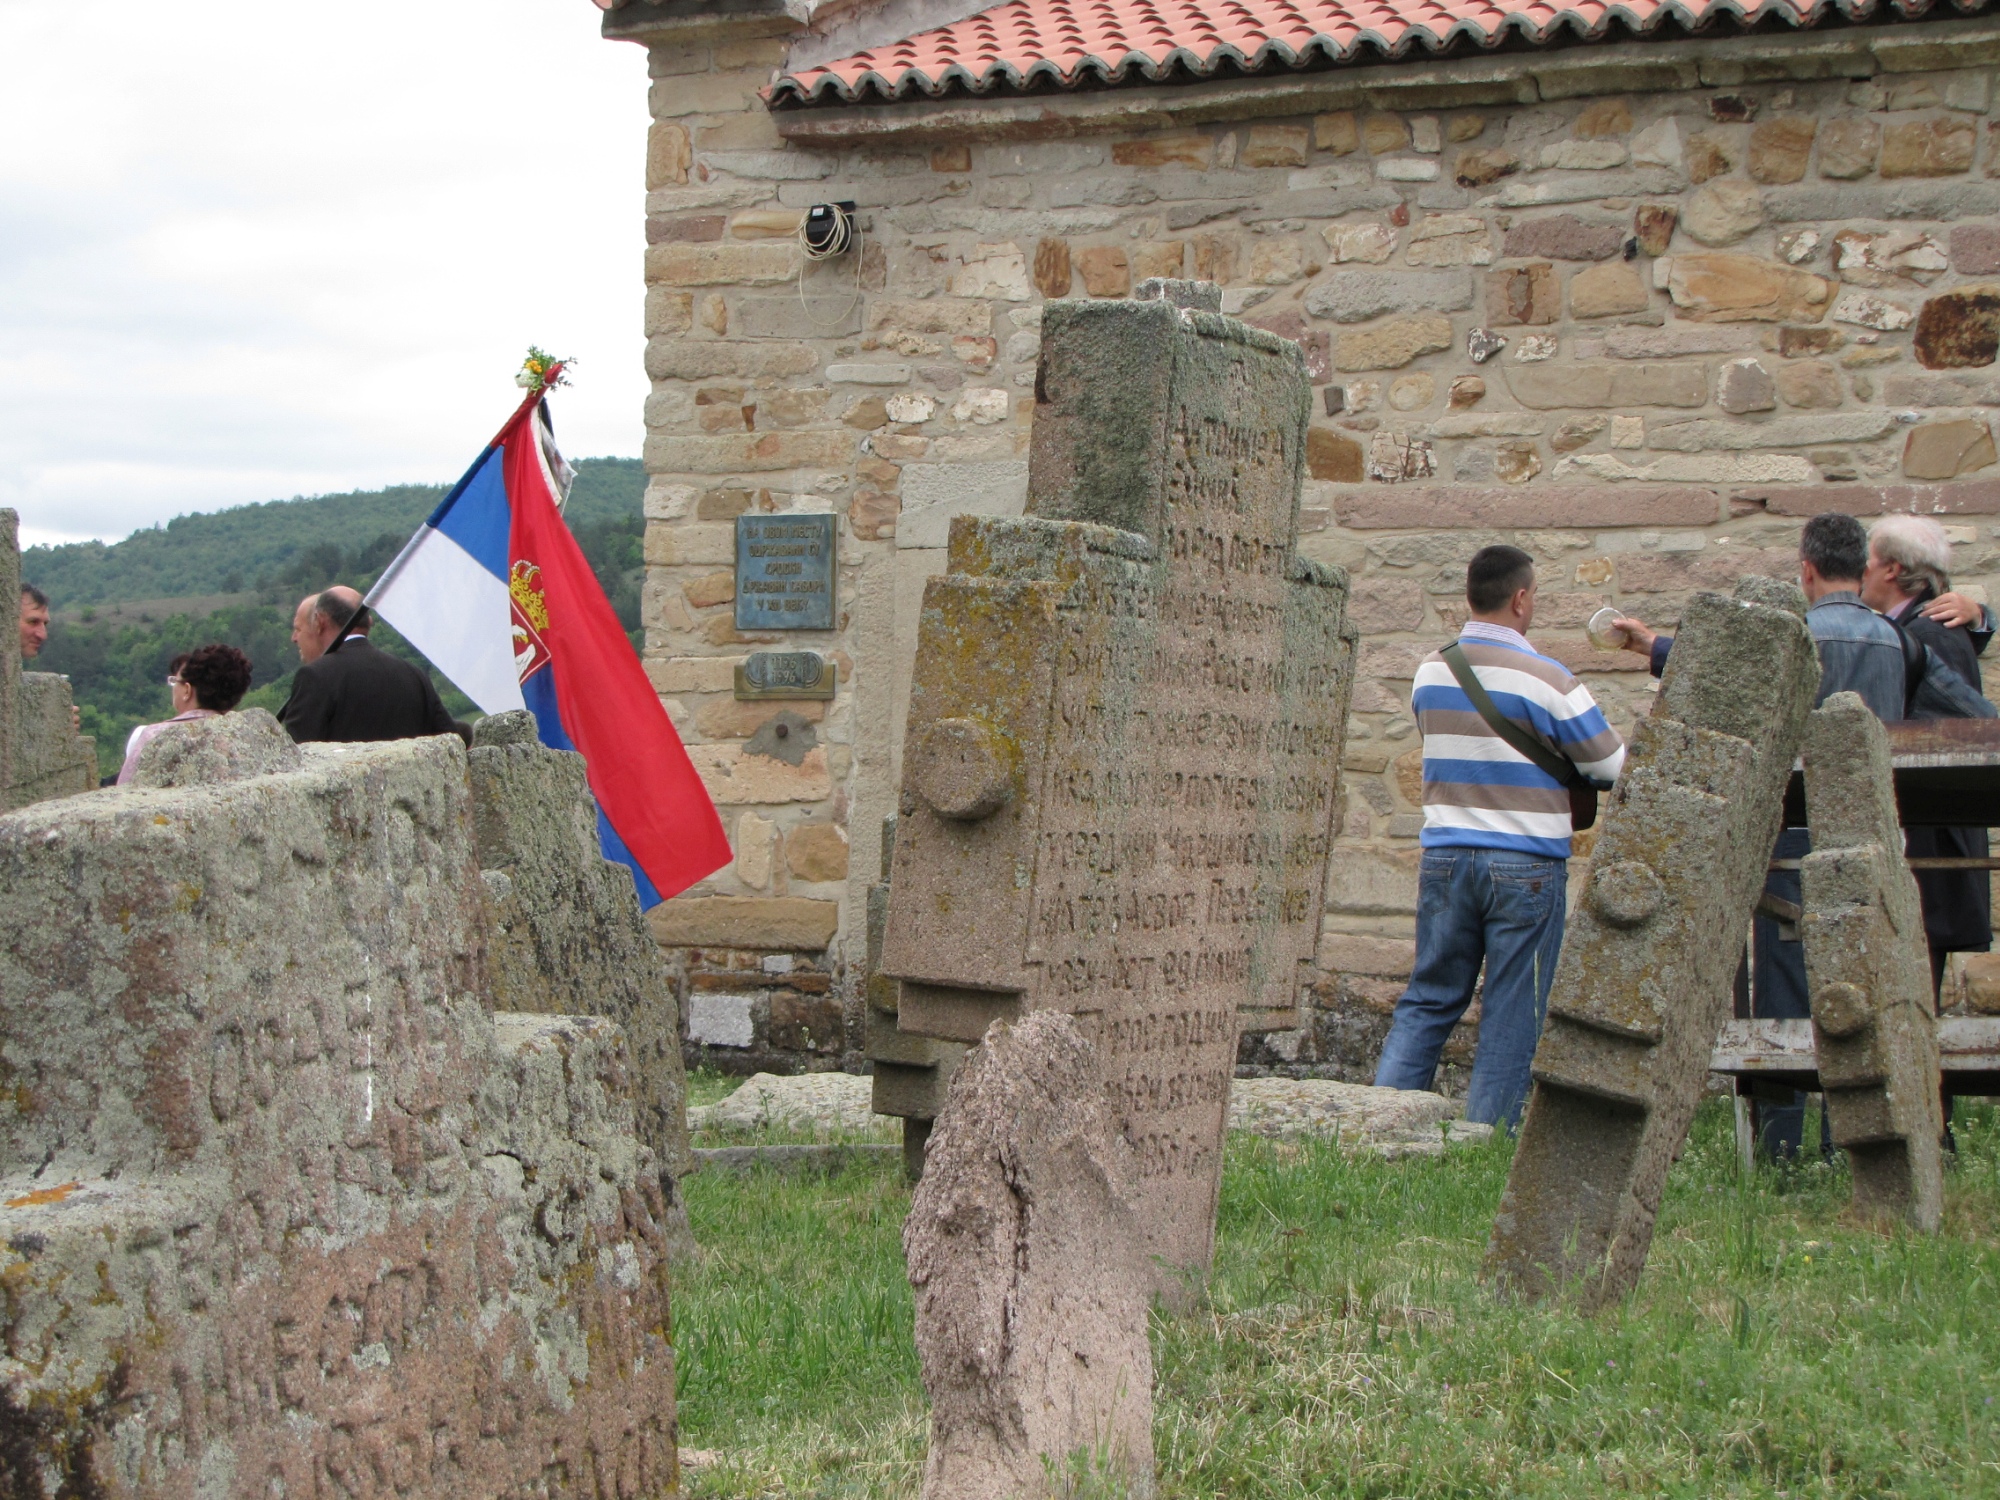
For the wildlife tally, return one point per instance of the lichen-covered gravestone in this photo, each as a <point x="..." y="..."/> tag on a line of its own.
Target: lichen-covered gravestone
<point x="1125" y="733"/>
<point x="1031" y="1287"/>
<point x="566" y="933"/>
<point x="285" y="1209"/>
<point x="1650" y="953"/>
<point x="41" y="754"/>
<point x="1868" y="969"/>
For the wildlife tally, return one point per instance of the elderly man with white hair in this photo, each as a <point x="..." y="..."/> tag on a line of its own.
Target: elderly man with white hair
<point x="1908" y="578"/>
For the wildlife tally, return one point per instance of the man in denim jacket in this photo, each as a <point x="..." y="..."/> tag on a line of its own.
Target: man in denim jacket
<point x="1859" y="652"/>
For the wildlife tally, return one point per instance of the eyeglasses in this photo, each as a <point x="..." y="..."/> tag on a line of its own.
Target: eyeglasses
<point x="174" y="679"/>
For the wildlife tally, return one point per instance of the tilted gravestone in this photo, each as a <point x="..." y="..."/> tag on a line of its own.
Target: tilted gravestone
<point x="1125" y="731"/>
<point x="565" y="931"/>
<point x="41" y="754"/>
<point x="1868" y="970"/>
<point x="1650" y="953"/>
<point x="285" y="1209"/>
<point x="1029" y="1272"/>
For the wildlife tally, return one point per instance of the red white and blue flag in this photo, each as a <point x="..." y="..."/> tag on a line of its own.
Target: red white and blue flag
<point x="494" y="590"/>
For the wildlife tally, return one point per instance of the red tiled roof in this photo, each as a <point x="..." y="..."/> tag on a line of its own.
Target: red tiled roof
<point x="1023" y="43"/>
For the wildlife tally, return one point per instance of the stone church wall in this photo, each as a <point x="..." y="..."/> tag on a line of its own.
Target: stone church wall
<point x="1738" y="282"/>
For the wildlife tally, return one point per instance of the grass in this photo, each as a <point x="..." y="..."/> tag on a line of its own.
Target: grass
<point x="1346" y="1347"/>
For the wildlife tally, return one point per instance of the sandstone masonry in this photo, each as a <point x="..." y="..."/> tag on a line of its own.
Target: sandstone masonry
<point x="1641" y="310"/>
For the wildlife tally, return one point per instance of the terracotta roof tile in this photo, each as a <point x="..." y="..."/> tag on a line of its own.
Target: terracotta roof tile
<point x="1025" y="44"/>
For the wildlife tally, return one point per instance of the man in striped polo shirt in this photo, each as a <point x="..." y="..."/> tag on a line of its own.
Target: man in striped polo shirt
<point x="1495" y="844"/>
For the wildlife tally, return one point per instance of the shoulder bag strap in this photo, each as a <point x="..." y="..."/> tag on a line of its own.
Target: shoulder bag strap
<point x="1547" y="761"/>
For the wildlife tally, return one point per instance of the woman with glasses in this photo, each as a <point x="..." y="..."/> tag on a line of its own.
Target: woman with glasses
<point x="205" y="683"/>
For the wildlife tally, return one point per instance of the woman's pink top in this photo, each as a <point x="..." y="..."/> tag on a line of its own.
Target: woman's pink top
<point x="145" y="734"/>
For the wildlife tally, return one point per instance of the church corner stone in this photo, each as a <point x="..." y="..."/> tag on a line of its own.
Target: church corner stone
<point x="1121" y="764"/>
<point x="1642" y="985"/>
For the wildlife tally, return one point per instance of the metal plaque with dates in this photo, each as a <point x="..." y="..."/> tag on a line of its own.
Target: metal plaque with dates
<point x="785" y="674"/>
<point x="784" y="572"/>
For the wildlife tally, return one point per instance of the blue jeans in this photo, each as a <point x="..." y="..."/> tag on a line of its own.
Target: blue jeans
<point x="1781" y="994"/>
<point x="1503" y="908"/>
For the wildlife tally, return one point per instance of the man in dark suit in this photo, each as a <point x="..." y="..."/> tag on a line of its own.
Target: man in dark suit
<point x="346" y="689"/>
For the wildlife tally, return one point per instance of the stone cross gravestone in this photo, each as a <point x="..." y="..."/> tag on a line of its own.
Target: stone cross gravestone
<point x="1650" y="953"/>
<point x="1125" y="730"/>
<point x="1868" y="969"/>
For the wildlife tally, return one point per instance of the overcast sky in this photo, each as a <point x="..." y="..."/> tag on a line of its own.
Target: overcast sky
<point x="253" y="250"/>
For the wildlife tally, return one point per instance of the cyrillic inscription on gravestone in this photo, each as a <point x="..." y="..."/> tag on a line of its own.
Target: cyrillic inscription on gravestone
<point x="1125" y="733"/>
<point x="784" y="572"/>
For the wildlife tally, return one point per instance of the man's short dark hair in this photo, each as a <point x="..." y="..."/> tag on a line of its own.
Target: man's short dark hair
<point x="1836" y="545"/>
<point x="1495" y="575"/>
<point x="338" y="611"/>
<point x="34" y="595"/>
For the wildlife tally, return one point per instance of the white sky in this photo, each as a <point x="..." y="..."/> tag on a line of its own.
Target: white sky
<point x="251" y="249"/>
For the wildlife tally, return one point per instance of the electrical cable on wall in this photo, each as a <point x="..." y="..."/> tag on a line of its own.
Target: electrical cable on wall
<point x="827" y="232"/>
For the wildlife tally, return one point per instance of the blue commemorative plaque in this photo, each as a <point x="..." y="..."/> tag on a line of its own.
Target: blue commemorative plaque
<point x="784" y="572"/>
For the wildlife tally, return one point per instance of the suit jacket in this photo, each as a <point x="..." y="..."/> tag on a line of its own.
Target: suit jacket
<point x="1958" y="904"/>
<point x="362" y="693"/>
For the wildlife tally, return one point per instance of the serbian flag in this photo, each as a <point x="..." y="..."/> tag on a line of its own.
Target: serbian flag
<point x="496" y="593"/>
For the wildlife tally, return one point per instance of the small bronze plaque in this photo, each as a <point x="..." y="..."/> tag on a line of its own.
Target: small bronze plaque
<point x="784" y="572"/>
<point x="785" y="674"/>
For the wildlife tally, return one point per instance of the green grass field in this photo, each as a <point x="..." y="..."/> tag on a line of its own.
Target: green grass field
<point x="1346" y="1346"/>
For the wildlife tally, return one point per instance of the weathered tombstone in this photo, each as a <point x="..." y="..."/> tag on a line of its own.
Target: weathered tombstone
<point x="1125" y="733"/>
<point x="285" y="1209"/>
<point x="566" y="933"/>
<point x="1028" y="1268"/>
<point x="910" y="1072"/>
<point x="41" y="754"/>
<point x="1868" y="970"/>
<point x="1648" y="959"/>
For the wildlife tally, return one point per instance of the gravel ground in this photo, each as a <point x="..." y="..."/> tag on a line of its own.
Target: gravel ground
<point x="1397" y="1122"/>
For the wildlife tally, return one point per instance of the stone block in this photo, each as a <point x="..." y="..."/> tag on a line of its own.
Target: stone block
<point x="1675" y="340"/>
<point x="668" y="155"/>
<point x="1440" y="240"/>
<point x="1527" y="294"/>
<point x="1939" y="147"/>
<point x="1564" y="237"/>
<point x="1273" y="146"/>
<point x="930" y="315"/>
<point x="1554" y="387"/>
<point x="1358" y="296"/>
<point x="1722" y="212"/>
<point x="1959" y="329"/>
<point x="1868" y="970"/>
<point x="1027" y="1259"/>
<point x="1945" y="450"/>
<point x="1780" y="147"/>
<point x="675" y="675"/>
<point x="767" y="922"/>
<point x="936" y="494"/>
<point x="1484" y="165"/>
<point x="1867" y="311"/>
<point x="1333" y="456"/>
<point x="1052" y="268"/>
<point x="1653" y="226"/>
<point x="289" y="1097"/>
<point x="1105" y="270"/>
<point x="1848" y="146"/>
<point x="1724" y="288"/>
<point x="1978" y="497"/>
<point x="1809" y="383"/>
<point x="817" y="852"/>
<point x="749" y="452"/>
<point x="1708" y="434"/>
<point x="1547" y="505"/>
<point x="767" y="264"/>
<point x="1393" y="343"/>
<point x="1642" y="986"/>
<point x="993" y="271"/>
<point x="736" y="776"/>
<point x="1607" y="290"/>
<point x="1386" y="604"/>
<point x="1181" y="149"/>
<point x="1384" y="133"/>
<point x="1975" y="249"/>
<point x="709" y="359"/>
<point x="1336" y="133"/>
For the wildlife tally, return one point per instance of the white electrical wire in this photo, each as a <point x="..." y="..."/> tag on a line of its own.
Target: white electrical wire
<point x="847" y="237"/>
